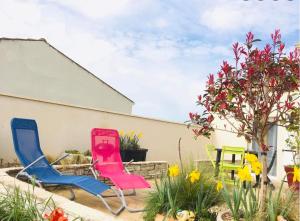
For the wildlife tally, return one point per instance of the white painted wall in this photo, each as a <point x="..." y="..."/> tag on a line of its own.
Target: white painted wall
<point x="64" y="127"/>
<point x="34" y="69"/>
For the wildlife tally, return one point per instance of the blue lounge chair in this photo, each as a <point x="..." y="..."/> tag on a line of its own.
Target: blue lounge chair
<point x="37" y="167"/>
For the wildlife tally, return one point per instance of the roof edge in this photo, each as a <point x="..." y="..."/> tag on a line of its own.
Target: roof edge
<point x="44" y="40"/>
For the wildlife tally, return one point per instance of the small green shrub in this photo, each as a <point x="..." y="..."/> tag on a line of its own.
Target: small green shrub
<point x="179" y="193"/>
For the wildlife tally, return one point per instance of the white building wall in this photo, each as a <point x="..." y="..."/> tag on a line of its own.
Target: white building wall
<point x="64" y="127"/>
<point x="35" y="70"/>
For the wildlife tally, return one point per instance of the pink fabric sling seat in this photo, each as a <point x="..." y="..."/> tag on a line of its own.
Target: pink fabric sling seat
<point x="107" y="158"/>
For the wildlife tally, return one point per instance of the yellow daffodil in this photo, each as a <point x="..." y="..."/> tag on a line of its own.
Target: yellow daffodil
<point x="219" y="186"/>
<point x="131" y="134"/>
<point x="140" y="135"/>
<point x="194" y="176"/>
<point x="256" y="167"/>
<point x="244" y="174"/>
<point x="251" y="157"/>
<point x="121" y="133"/>
<point x="174" y="171"/>
<point x="296" y="176"/>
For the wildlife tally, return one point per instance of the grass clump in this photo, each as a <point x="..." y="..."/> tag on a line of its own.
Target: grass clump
<point x="16" y="205"/>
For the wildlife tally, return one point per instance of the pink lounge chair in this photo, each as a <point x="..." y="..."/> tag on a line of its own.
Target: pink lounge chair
<point x="107" y="163"/>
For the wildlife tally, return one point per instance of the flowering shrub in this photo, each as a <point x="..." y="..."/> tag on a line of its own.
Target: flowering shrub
<point x="184" y="193"/>
<point x="129" y="140"/>
<point x="258" y="91"/>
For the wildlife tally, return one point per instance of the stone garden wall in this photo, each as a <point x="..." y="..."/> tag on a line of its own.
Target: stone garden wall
<point x="148" y="169"/>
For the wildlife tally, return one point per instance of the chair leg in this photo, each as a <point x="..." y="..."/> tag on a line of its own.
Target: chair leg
<point x="72" y="198"/>
<point x="133" y="193"/>
<point x="132" y="210"/>
<point x="115" y="212"/>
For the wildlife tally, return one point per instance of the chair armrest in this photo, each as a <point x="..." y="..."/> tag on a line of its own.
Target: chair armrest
<point x="127" y="164"/>
<point x="29" y="165"/>
<point x="93" y="163"/>
<point x="95" y="173"/>
<point x="60" y="158"/>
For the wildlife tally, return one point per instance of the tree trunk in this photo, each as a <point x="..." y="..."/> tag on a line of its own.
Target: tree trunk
<point x="264" y="183"/>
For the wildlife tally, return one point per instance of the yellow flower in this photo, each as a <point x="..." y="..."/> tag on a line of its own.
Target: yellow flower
<point x="244" y="174"/>
<point x="296" y="176"/>
<point x="194" y="176"/>
<point x="256" y="167"/>
<point x="174" y="171"/>
<point x="219" y="186"/>
<point x="131" y="134"/>
<point x="121" y="133"/>
<point x="251" y="157"/>
<point x="140" y="135"/>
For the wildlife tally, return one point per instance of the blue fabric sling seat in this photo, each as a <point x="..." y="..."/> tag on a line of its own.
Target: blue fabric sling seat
<point x="51" y="176"/>
<point x="28" y="150"/>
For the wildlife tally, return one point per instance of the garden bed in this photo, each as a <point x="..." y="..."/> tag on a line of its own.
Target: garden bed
<point x="85" y="206"/>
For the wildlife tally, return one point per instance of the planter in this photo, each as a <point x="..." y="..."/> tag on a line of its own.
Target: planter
<point x="290" y="174"/>
<point x="135" y="155"/>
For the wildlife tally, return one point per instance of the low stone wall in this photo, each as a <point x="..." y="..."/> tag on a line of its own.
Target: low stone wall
<point x="147" y="169"/>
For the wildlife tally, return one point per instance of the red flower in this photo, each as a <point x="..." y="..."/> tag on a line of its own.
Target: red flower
<point x="264" y="147"/>
<point x="272" y="82"/>
<point x="276" y="37"/>
<point x="281" y="47"/>
<point x="207" y="105"/>
<point x="211" y="80"/>
<point x="250" y="71"/>
<point x="210" y="118"/>
<point x="191" y="116"/>
<point x="278" y="96"/>
<point x="223" y="106"/>
<point x="194" y="116"/>
<point x="220" y="74"/>
<point x="267" y="49"/>
<point x="238" y="50"/>
<point x="225" y="67"/>
<point x="56" y="215"/>
<point x="221" y="96"/>
<point x="235" y="47"/>
<point x="249" y="38"/>
<point x="199" y="98"/>
<point x="289" y="105"/>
